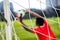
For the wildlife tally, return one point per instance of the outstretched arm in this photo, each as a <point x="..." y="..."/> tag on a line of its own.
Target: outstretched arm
<point x="33" y="13"/>
<point x="25" y="26"/>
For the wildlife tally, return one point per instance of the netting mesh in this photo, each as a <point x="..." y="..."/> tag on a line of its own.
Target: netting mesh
<point x="15" y="35"/>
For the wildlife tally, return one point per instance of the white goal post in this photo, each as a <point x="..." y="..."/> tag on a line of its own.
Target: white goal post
<point x="7" y="15"/>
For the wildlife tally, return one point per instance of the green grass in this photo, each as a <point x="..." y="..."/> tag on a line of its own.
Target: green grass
<point x="25" y="35"/>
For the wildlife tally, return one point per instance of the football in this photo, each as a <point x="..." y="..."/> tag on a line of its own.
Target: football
<point x="21" y="13"/>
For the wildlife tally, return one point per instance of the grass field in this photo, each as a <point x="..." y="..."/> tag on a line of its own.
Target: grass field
<point x="24" y="35"/>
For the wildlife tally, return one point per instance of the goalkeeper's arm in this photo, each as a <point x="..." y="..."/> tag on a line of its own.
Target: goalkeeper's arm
<point x="25" y="26"/>
<point x="33" y="13"/>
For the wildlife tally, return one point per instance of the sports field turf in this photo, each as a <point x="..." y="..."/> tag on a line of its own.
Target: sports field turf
<point x="25" y="35"/>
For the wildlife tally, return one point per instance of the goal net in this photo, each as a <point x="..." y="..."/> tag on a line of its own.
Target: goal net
<point x="8" y="30"/>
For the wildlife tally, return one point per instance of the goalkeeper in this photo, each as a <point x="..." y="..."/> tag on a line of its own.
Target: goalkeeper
<point x="42" y="29"/>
